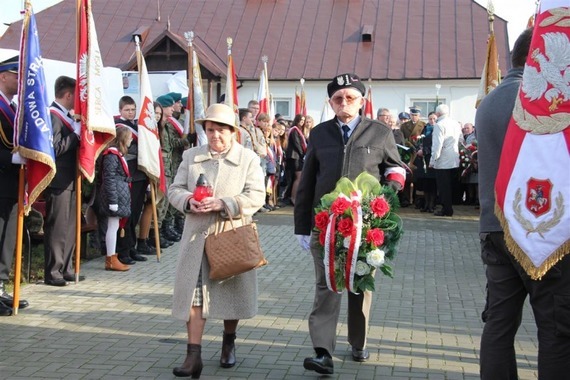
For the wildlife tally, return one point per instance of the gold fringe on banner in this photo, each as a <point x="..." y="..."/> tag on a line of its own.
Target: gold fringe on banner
<point x="535" y="273"/>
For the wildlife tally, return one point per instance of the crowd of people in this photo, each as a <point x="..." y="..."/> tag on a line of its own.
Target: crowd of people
<point x="262" y="163"/>
<point x="441" y="158"/>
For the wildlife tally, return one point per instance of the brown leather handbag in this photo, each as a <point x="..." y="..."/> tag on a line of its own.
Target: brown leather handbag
<point x="234" y="251"/>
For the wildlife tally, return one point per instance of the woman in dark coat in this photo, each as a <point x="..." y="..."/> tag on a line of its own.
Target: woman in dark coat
<point x="296" y="149"/>
<point x="115" y="193"/>
<point x="424" y="175"/>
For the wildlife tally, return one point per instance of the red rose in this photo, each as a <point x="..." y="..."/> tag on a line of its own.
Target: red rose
<point x="345" y="227"/>
<point x="322" y="237"/>
<point x="321" y="220"/>
<point x="379" y="206"/>
<point x="375" y="236"/>
<point x="340" y="205"/>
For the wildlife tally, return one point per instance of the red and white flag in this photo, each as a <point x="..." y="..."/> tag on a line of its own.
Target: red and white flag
<point x="149" y="157"/>
<point x="97" y="124"/>
<point x="368" y="107"/>
<point x="533" y="181"/>
<point x="231" y="83"/>
<point x="297" y="102"/>
<point x="263" y="93"/>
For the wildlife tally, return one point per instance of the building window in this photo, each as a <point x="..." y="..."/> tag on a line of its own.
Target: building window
<point x="427" y="105"/>
<point x="283" y="107"/>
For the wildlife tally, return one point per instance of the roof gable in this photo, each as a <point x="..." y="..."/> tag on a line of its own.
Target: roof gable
<point x="419" y="39"/>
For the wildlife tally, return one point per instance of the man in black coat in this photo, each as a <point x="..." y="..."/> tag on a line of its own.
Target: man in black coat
<point x="61" y="223"/>
<point x="9" y="166"/>
<point x="344" y="146"/>
<point x="126" y="245"/>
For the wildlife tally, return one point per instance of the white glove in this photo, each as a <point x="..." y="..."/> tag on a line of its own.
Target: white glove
<point x="77" y="128"/>
<point x="304" y="241"/>
<point x="18" y="160"/>
<point x="114" y="207"/>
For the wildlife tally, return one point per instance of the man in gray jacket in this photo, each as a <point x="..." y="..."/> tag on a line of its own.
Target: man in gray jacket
<point x="342" y="147"/>
<point x="507" y="282"/>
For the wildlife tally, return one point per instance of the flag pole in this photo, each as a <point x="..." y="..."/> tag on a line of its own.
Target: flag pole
<point x="190" y="102"/>
<point x="78" y="221"/>
<point x="77" y="182"/>
<point x="155" y="219"/>
<point x="19" y="235"/>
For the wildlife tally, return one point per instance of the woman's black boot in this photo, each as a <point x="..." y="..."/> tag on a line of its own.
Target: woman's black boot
<point x="192" y="365"/>
<point x="228" y="358"/>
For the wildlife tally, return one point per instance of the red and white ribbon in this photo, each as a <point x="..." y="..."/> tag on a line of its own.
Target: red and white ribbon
<point x="354" y="245"/>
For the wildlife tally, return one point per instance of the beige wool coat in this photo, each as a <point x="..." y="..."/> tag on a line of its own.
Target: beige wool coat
<point x="237" y="175"/>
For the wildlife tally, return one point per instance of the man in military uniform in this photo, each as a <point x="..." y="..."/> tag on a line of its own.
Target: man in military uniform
<point x="9" y="165"/>
<point x="414" y="126"/>
<point x="174" y="144"/>
<point x="411" y="130"/>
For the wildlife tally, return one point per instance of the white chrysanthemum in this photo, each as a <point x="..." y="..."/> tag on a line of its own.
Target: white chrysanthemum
<point x="346" y="242"/>
<point x="362" y="268"/>
<point x="375" y="258"/>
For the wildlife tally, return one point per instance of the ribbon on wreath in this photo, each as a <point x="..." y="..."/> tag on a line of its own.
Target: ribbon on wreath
<point x="329" y="259"/>
<point x="354" y="245"/>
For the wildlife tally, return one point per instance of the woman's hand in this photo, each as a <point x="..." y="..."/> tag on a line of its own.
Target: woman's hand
<point x="209" y="204"/>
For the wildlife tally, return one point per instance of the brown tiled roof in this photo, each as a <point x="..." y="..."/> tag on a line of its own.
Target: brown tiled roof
<point x="313" y="39"/>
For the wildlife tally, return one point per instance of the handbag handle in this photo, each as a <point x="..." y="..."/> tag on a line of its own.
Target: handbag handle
<point x="222" y="224"/>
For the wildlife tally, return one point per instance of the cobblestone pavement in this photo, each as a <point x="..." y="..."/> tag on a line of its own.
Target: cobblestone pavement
<point x="425" y="323"/>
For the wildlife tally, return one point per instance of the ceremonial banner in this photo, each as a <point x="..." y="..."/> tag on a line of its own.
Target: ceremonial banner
<point x="149" y="157"/>
<point x="263" y="93"/>
<point x="97" y="124"/>
<point x="491" y="76"/>
<point x="300" y="102"/>
<point x="199" y="103"/>
<point x="533" y="182"/>
<point x="327" y="112"/>
<point x="368" y="107"/>
<point x="231" y="82"/>
<point x="33" y="133"/>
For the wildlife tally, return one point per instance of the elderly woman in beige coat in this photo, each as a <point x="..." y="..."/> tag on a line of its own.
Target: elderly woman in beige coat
<point x="234" y="173"/>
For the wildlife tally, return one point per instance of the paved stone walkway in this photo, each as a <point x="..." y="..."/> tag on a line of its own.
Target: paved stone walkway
<point x="424" y="324"/>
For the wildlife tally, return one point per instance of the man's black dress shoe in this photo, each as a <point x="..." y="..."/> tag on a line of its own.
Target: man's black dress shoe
<point x="360" y="355"/>
<point x="127" y="260"/>
<point x="71" y="277"/>
<point x="138" y="257"/>
<point x="56" y="282"/>
<point x="441" y="213"/>
<point x="5" y="310"/>
<point x="7" y="300"/>
<point x="320" y="364"/>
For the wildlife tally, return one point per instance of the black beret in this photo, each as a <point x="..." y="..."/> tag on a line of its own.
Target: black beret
<point x="345" y="81"/>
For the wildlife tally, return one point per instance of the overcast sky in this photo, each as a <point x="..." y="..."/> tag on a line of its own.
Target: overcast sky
<point x="517" y="12"/>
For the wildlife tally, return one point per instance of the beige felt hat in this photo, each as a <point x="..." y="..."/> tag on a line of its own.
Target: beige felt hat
<point x="221" y="114"/>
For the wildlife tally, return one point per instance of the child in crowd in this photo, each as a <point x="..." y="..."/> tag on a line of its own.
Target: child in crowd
<point x="115" y="193"/>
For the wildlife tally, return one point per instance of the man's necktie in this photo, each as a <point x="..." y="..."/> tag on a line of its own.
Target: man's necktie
<point x="345" y="129"/>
